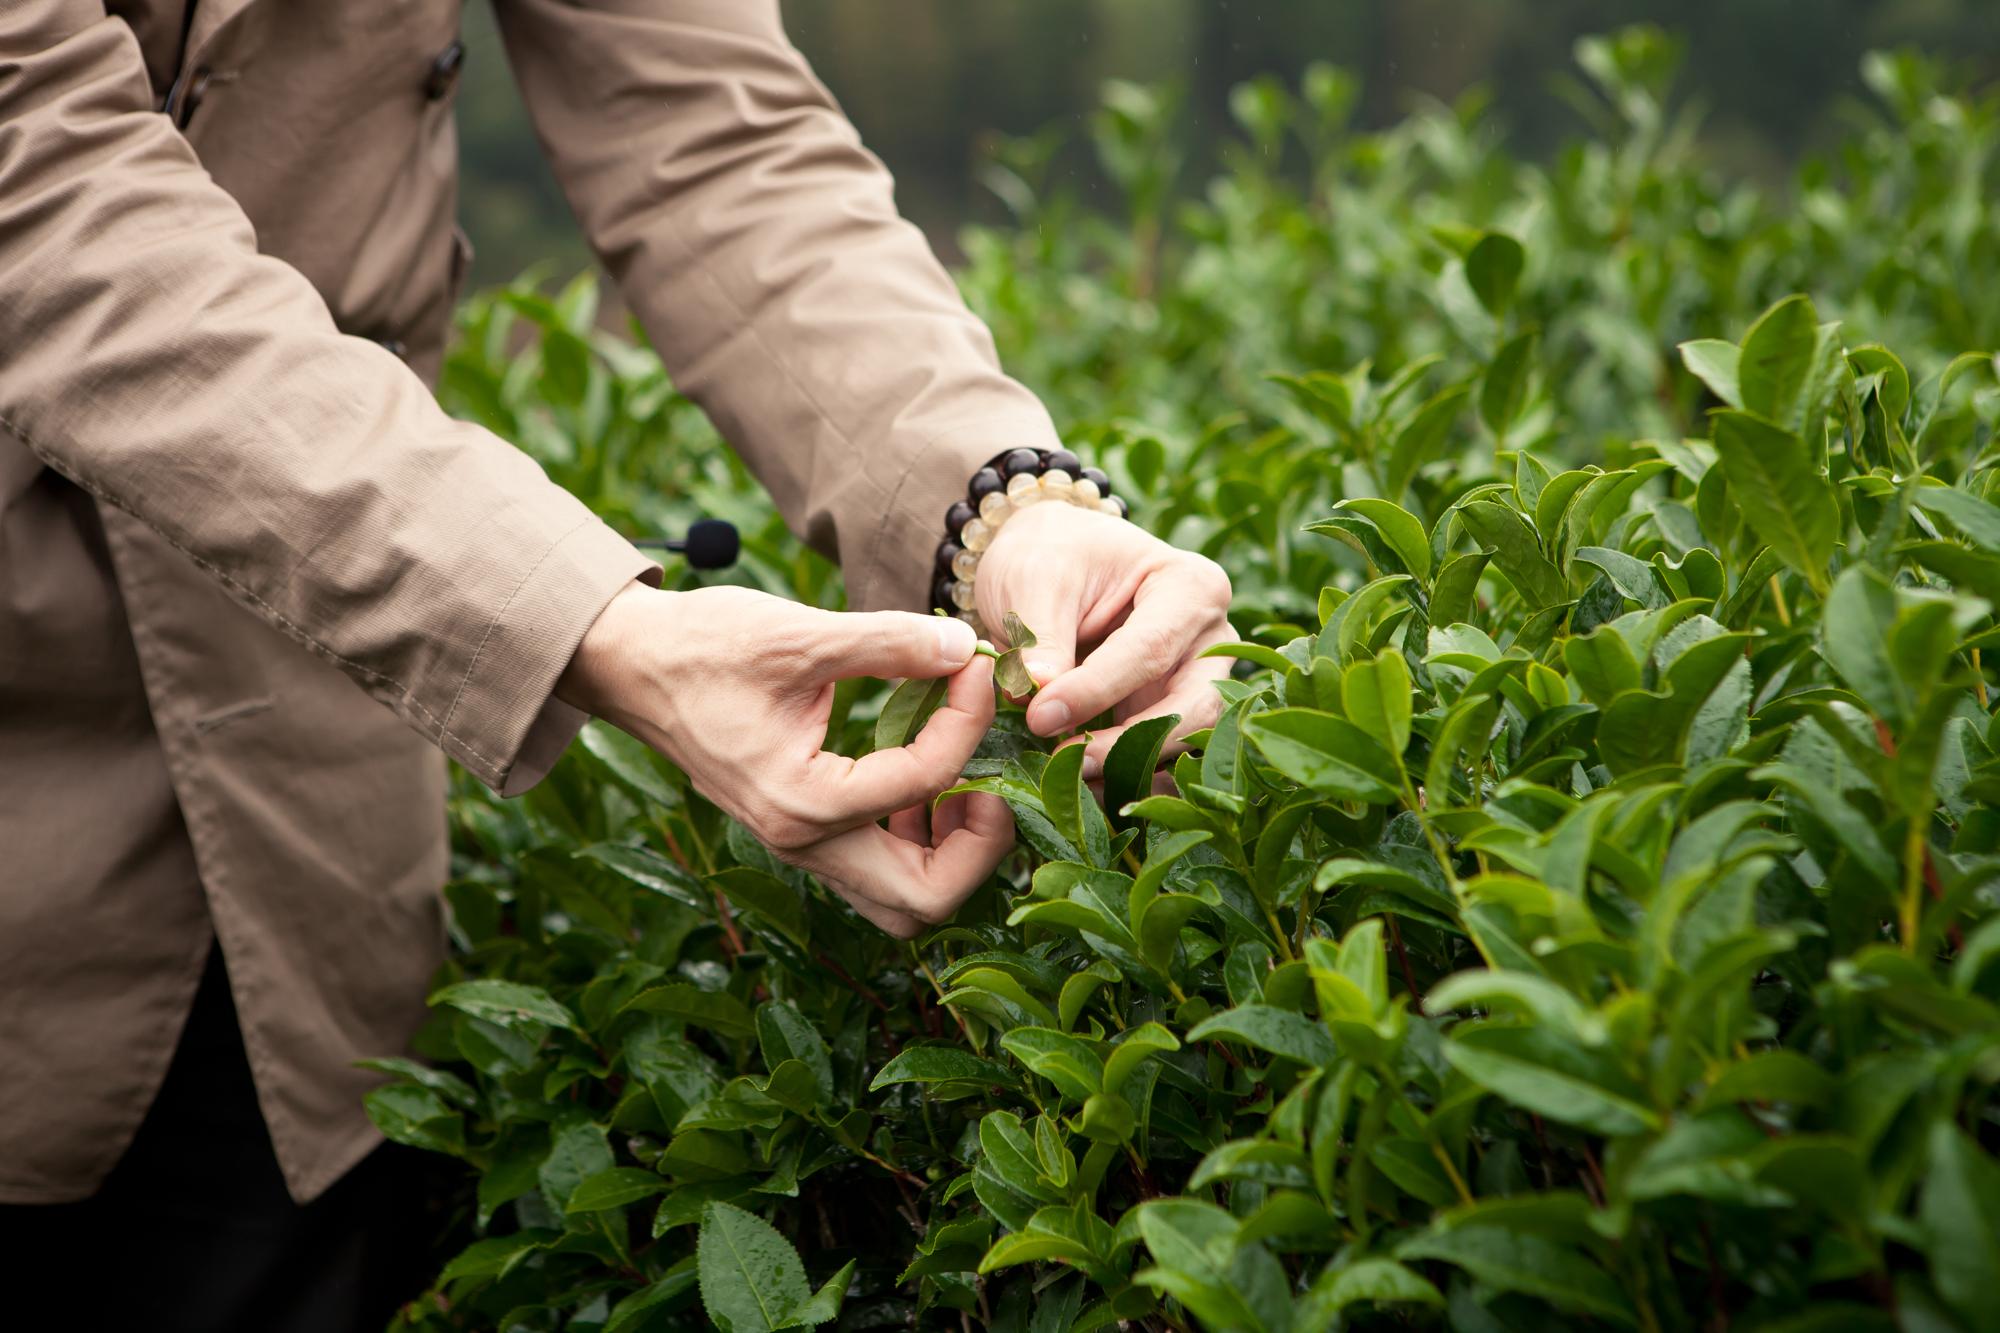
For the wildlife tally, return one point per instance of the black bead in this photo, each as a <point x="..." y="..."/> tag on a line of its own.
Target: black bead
<point x="946" y="553"/>
<point x="1096" y="474"/>
<point x="984" y="482"/>
<point x="957" y="517"/>
<point x="1067" y="461"/>
<point x="941" y="594"/>
<point x="1021" y="460"/>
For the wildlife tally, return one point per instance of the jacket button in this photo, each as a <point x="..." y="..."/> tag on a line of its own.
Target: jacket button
<point x="444" y="72"/>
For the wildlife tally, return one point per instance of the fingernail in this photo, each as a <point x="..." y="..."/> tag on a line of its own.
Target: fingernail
<point x="1051" y="716"/>
<point x="955" y="640"/>
<point x="1042" y="670"/>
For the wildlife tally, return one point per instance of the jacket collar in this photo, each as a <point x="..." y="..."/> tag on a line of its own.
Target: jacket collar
<point x="210" y="17"/>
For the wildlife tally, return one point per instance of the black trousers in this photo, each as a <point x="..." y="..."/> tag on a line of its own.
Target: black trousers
<point x="193" y="1231"/>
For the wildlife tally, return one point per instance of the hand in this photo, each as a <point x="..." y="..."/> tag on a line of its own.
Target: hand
<point x="1141" y="611"/>
<point x="736" y="687"/>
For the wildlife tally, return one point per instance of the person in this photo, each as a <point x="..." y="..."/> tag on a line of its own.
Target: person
<point x="254" y="582"/>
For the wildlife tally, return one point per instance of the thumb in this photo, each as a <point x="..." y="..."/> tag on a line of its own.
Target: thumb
<point x="888" y="644"/>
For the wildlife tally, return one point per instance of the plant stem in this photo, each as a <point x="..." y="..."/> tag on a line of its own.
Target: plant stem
<point x="1278" y="930"/>
<point x="1778" y="603"/>
<point x="1403" y="962"/>
<point x="1913" y="884"/>
<point x="931" y="976"/>
<point x="1395" y="1085"/>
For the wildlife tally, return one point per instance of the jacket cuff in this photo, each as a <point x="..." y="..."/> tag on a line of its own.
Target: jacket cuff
<point x="895" y="570"/>
<point x="505" y="725"/>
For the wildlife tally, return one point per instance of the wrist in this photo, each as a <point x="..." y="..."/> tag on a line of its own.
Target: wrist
<point x="595" y="679"/>
<point x="1014" y="484"/>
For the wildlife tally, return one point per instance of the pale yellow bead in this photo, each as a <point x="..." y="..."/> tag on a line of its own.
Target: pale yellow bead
<point x="961" y="595"/>
<point x="1083" y="491"/>
<point x="964" y="564"/>
<point x="994" y="508"/>
<point x="974" y="535"/>
<point x="1055" y="484"/>
<point x="1105" y="506"/>
<point x="1024" y="488"/>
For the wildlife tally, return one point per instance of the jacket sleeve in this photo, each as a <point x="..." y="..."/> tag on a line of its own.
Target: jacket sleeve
<point x="760" y="245"/>
<point x="152" y="356"/>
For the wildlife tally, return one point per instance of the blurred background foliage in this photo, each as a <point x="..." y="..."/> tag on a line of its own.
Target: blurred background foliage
<point x="930" y="82"/>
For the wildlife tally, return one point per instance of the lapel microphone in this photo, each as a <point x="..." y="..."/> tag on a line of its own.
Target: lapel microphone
<point x="711" y="543"/>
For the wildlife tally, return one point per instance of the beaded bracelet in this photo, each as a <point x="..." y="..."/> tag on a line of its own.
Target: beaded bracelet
<point x="1009" y="483"/>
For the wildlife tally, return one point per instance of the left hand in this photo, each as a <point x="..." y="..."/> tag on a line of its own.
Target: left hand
<point x="1137" y="611"/>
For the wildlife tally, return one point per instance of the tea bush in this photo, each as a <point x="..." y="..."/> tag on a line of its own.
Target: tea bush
<point x="1584" y="912"/>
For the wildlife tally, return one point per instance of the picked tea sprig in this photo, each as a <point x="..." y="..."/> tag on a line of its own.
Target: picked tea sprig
<point x="1010" y="669"/>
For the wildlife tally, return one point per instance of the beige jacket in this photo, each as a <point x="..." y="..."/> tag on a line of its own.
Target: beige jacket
<point x="252" y="579"/>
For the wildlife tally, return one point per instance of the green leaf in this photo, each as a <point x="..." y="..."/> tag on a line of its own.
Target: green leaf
<point x="1978" y="520"/>
<point x="1401" y="532"/>
<point x="507" y="1003"/>
<point x="1327" y="753"/>
<point x="783" y="1033"/>
<point x="1421" y="437"/>
<point x="1554" y="1076"/>
<point x="1776" y="484"/>
<point x="1504" y="391"/>
<point x="906" y="711"/>
<point x="773" y="900"/>
<point x="1960" y="1215"/>
<point x="1068" y="1061"/>
<point x="1134" y="1045"/>
<point x="1457" y="583"/>
<point x="686" y="1003"/>
<point x="577" y="1151"/>
<point x="1777" y="358"/>
<point x="1279" y="1031"/>
<point x="416" y="1116"/>
<point x="1374" y="1280"/>
<point x="1376" y="696"/>
<point x="614" y="1189"/>
<point x="1493" y="267"/>
<point x="824" y="1307"/>
<point x="940" y="1064"/>
<point x="1071" y="807"/>
<point x="1602" y="663"/>
<point x="1516" y="551"/>
<point x="1197" y="1262"/>
<point x="1134" y="756"/>
<point x="1714" y="362"/>
<point x="1527" y="1263"/>
<point x="751" y="1278"/>
<point x="496" y="1256"/>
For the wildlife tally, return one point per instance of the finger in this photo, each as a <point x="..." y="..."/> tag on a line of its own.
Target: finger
<point x="847" y="791"/>
<point x="1051" y="607"/>
<point x="1194" y="699"/>
<point x="900" y="924"/>
<point x="887" y="644"/>
<point x="910" y="825"/>
<point x="868" y="864"/>
<point x="1156" y="638"/>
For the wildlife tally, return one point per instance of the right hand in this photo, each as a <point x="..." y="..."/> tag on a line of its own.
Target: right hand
<point x="736" y="687"/>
